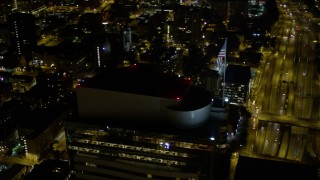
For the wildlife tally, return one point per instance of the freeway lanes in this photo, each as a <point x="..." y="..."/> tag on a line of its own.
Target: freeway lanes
<point x="286" y="110"/>
<point x="289" y="120"/>
<point x="287" y="83"/>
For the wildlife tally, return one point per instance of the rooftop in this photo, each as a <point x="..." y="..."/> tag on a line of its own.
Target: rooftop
<point x="50" y="169"/>
<point x="137" y="79"/>
<point x="263" y="169"/>
<point x="238" y="74"/>
<point x="39" y="119"/>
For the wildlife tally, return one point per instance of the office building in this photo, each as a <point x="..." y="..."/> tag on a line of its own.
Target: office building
<point x="23" y="35"/>
<point x="237" y="83"/>
<point x="5" y="45"/>
<point x="256" y="8"/>
<point x="127" y="39"/>
<point x="229" y="9"/>
<point x="138" y="124"/>
<point x="13" y="171"/>
<point x="39" y="132"/>
<point x="5" y="9"/>
<point x="50" y="169"/>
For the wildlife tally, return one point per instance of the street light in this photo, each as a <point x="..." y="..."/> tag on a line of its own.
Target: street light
<point x="212" y="139"/>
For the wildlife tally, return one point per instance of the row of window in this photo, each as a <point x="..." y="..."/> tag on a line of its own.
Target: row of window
<point x="129" y="156"/>
<point x="136" y="148"/>
<point x="165" y="142"/>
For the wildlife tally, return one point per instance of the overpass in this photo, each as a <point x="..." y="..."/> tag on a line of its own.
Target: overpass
<point x="290" y="120"/>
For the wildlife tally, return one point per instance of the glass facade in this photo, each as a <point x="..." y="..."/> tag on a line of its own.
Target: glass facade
<point x="160" y="155"/>
<point x="236" y="93"/>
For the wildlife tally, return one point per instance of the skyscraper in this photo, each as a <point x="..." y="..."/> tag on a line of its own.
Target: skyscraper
<point x="127" y="40"/>
<point x="4" y="45"/>
<point x="5" y="9"/>
<point x="23" y="35"/>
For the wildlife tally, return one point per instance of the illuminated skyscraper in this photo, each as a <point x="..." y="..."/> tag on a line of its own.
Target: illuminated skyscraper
<point x="22" y="34"/>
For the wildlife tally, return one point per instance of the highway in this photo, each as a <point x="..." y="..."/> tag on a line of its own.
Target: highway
<point x="285" y="98"/>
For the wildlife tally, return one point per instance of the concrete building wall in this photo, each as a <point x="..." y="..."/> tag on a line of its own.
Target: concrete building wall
<point x="97" y="103"/>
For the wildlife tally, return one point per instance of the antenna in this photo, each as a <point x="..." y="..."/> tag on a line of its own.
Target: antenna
<point x="224" y="69"/>
<point x="225" y="57"/>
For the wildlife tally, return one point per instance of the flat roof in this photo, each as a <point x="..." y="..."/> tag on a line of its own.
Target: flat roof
<point x="142" y="80"/>
<point x="50" y="169"/>
<point x="238" y="74"/>
<point x="39" y="119"/>
<point x="137" y="79"/>
<point x="263" y="169"/>
<point x="11" y="171"/>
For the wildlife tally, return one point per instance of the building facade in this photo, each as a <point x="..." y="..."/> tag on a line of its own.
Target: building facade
<point x="22" y="35"/>
<point x="140" y="125"/>
<point x="237" y="83"/>
<point x="99" y="152"/>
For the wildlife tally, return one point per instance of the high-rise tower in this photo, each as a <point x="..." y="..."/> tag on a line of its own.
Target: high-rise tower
<point x="127" y="40"/>
<point x="23" y="35"/>
<point x="5" y="9"/>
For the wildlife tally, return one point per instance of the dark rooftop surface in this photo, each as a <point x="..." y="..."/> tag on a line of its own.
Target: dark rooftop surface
<point x="238" y="74"/>
<point x="39" y="119"/>
<point x="11" y="171"/>
<point x="50" y="169"/>
<point x="262" y="169"/>
<point x="139" y="80"/>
